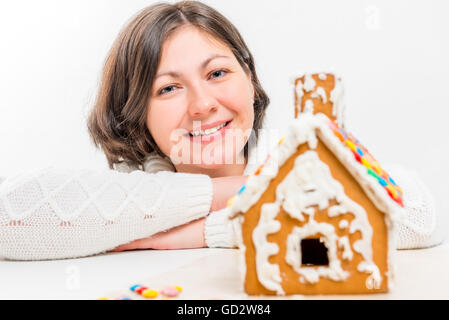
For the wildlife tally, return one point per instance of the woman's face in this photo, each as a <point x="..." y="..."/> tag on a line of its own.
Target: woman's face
<point x="200" y="111"/>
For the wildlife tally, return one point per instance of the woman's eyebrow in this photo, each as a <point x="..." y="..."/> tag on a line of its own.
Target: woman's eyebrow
<point x="204" y="64"/>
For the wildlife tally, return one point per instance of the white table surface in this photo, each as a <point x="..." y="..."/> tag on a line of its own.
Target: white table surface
<point x="203" y="273"/>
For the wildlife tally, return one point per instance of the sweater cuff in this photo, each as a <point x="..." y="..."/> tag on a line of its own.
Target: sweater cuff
<point x="219" y="231"/>
<point x="193" y="195"/>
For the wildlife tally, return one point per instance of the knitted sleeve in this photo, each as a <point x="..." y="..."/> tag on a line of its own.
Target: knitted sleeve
<point x="418" y="230"/>
<point x="53" y="213"/>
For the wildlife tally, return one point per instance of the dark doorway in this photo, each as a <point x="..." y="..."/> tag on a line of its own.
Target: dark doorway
<point x="313" y="253"/>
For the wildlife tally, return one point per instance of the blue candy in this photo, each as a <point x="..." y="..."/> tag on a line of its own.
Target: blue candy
<point x="392" y="181"/>
<point x="382" y="182"/>
<point x="134" y="287"/>
<point x="241" y="189"/>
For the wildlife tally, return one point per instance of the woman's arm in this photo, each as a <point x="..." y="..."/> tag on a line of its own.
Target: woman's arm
<point x="205" y="232"/>
<point x="54" y="214"/>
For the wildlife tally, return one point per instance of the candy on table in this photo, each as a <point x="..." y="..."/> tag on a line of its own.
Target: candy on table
<point x="149" y="293"/>
<point x="169" y="291"/>
<point x="144" y="291"/>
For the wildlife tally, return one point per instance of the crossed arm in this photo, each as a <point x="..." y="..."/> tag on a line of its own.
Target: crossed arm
<point x="190" y="235"/>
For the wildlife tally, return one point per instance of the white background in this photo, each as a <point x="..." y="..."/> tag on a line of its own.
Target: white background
<point x="392" y="56"/>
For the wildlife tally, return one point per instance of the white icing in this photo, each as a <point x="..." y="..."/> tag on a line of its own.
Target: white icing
<point x="310" y="183"/>
<point x="337" y="99"/>
<point x="313" y="274"/>
<point x="343" y="224"/>
<point x="299" y="94"/>
<point x="309" y="83"/>
<point x="320" y="93"/>
<point x="308" y="107"/>
<point x="267" y="273"/>
<point x="307" y="129"/>
<point x="343" y="242"/>
<point x="336" y="95"/>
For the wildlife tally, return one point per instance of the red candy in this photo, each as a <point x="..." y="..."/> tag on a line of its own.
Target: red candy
<point x="140" y="289"/>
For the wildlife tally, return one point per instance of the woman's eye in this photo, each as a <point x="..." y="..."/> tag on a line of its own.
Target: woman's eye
<point x="218" y="73"/>
<point x="166" y="90"/>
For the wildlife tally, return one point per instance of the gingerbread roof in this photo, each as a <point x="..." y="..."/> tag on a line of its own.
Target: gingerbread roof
<point x="382" y="190"/>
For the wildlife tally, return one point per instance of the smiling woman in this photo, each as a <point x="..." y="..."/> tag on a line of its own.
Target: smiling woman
<point x="212" y="97"/>
<point x="177" y="69"/>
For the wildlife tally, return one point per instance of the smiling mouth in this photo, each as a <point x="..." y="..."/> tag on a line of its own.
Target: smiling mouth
<point x="207" y="132"/>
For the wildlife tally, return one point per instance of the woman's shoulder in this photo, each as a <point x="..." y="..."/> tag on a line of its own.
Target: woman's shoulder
<point x="153" y="163"/>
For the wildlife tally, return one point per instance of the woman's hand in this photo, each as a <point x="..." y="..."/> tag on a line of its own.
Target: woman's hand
<point x="190" y="235"/>
<point x="187" y="236"/>
<point x="225" y="188"/>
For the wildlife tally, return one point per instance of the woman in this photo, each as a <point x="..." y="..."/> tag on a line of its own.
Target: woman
<point x="177" y="115"/>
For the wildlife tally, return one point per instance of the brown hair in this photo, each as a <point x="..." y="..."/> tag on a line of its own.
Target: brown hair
<point x="117" y="123"/>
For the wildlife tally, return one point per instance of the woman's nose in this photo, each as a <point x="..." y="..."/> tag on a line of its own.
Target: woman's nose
<point x="202" y="102"/>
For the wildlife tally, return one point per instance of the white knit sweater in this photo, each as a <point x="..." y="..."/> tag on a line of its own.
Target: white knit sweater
<point x="54" y="214"/>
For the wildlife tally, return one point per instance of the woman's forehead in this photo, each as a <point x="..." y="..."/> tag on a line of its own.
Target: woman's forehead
<point x="192" y="42"/>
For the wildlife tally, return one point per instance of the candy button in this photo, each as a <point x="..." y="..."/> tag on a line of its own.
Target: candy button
<point x="140" y="289"/>
<point x="372" y="173"/>
<point x="357" y="156"/>
<point x="178" y="288"/>
<point x="359" y="151"/>
<point x="103" y="298"/>
<point x="241" y="189"/>
<point x="376" y="168"/>
<point x="133" y="288"/>
<point x="392" y="181"/>
<point x="366" y="163"/>
<point x="399" y="201"/>
<point x="149" y="293"/>
<point x="339" y="136"/>
<point x="281" y="140"/>
<point x="393" y="192"/>
<point x="125" y="298"/>
<point x="170" y="292"/>
<point x="350" y="144"/>
<point x="230" y="202"/>
<point x="382" y="182"/>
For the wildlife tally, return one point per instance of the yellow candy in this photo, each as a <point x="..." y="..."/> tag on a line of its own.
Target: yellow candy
<point x="351" y="145"/>
<point x="377" y="168"/>
<point x="230" y="201"/>
<point x="281" y="140"/>
<point x="103" y="298"/>
<point x="393" y="191"/>
<point x="149" y="293"/>
<point x="178" y="288"/>
<point x="366" y="163"/>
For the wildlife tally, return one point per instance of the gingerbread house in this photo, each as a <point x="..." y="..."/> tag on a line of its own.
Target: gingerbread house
<point x="318" y="216"/>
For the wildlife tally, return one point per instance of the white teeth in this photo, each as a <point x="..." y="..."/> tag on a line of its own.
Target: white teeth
<point x="208" y="131"/>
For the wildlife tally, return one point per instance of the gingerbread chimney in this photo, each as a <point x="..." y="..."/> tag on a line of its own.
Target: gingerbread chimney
<point x="320" y="93"/>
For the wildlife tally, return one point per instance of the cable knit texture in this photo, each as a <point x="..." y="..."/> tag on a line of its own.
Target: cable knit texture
<point x="54" y="214"/>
